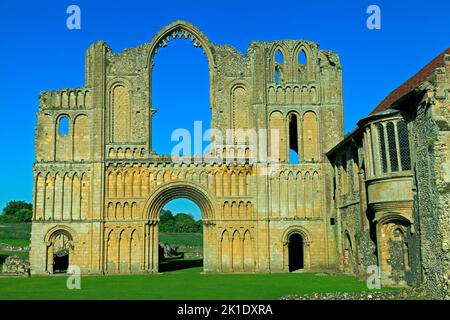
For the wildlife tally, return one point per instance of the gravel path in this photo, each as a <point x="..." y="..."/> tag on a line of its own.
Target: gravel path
<point x="404" y="294"/>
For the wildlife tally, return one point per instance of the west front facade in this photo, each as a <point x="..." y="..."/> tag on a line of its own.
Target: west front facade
<point x="99" y="188"/>
<point x="343" y="205"/>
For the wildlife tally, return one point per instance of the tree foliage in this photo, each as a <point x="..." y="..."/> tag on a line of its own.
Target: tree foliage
<point x="181" y="222"/>
<point x="17" y="211"/>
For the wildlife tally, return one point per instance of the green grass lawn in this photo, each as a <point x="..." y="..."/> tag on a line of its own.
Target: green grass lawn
<point x="180" y="279"/>
<point x="182" y="239"/>
<point x="17" y="234"/>
<point x="186" y="284"/>
<point x="20" y="254"/>
<point x="188" y="243"/>
<point x="16" y="242"/>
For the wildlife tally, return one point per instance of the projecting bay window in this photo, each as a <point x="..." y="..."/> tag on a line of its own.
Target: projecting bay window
<point x="392" y="144"/>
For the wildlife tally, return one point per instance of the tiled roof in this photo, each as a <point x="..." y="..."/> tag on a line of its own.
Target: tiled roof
<point x="412" y="83"/>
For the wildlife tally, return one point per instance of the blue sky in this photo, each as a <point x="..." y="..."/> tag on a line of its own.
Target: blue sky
<point x="39" y="53"/>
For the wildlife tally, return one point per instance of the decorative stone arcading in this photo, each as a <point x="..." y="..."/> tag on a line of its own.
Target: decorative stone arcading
<point x="104" y="180"/>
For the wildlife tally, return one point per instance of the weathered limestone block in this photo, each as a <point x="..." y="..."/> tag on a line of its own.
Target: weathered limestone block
<point x="16" y="265"/>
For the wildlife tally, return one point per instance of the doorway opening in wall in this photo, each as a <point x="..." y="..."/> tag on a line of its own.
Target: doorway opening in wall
<point x="348" y="254"/>
<point x="180" y="96"/>
<point x="58" y="251"/>
<point x="180" y="236"/>
<point x="296" y="254"/>
<point x="60" y="261"/>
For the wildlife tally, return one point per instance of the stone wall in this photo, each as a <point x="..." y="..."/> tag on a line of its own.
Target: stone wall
<point x="15" y="265"/>
<point x="100" y="187"/>
<point x="381" y="196"/>
<point x="426" y="202"/>
<point x="432" y="203"/>
<point x="401" y="206"/>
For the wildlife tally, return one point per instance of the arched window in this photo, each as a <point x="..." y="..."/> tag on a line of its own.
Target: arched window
<point x="81" y="138"/>
<point x="392" y="147"/>
<point x="277" y="136"/>
<point x="279" y="65"/>
<point x="120" y="107"/>
<point x="302" y="57"/>
<point x="400" y="236"/>
<point x="293" y="139"/>
<point x="310" y="136"/>
<point x="382" y="148"/>
<point x="239" y="108"/>
<point x="302" y="60"/>
<point x="178" y="89"/>
<point x="403" y="142"/>
<point x="63" y="126"/>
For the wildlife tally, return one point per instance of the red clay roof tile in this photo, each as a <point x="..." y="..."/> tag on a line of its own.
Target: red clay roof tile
<point x="412" y="83"/>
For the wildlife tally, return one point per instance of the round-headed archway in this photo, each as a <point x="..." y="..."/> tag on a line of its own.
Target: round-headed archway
<point x="394" y="232"/>
<point x="167" y="192"/>
<point x="348" y="253"/>
<point x="296" y="252"/>
<point x="60" y="245"/>
<point x="296" y="249"/>
<point x="180" y="236"/>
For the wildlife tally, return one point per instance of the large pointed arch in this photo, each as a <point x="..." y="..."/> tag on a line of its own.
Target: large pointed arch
<point x="181" y="30"/>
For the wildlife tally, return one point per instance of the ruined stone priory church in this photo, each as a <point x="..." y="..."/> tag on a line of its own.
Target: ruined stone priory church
<point x="378" y="196"/>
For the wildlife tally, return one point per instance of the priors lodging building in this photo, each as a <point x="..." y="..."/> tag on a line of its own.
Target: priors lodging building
<point x="378" y="197"/>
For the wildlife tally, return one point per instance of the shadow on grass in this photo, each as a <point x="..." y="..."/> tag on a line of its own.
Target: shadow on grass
<point x="175" y="264"/>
